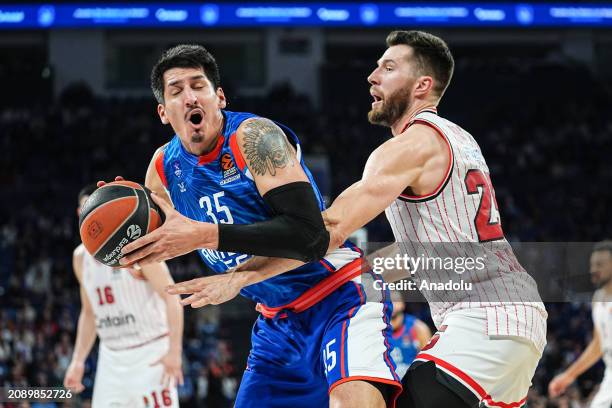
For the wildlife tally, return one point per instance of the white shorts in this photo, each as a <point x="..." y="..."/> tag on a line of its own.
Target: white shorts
<point x="125" y="378"/>
<point x="496" y="369"/>
<point x="603" y="398"/>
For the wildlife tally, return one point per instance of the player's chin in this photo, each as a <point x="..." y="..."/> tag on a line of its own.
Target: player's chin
<point x="197" y="138"/>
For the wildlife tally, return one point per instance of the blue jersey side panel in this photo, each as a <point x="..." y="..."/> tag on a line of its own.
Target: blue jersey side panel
<point x="216" y="190"/>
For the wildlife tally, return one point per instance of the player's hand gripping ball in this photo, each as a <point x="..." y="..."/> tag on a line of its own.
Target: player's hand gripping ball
<point x="115" y="215"/>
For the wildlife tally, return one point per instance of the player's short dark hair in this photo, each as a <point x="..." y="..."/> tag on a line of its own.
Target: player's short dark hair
<point x="183" y="56"/>
<point x="431" y="53"/>
<point x="87" y="191"/>
<point x="605" y="245"/>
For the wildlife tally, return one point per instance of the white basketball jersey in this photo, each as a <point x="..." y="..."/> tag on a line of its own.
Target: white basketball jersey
<point x="463" y="209"/>
<point x="602" y="320"/>
<point x="128" y="311"/>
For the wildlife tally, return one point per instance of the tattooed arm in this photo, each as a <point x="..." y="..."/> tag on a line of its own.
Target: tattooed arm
<point x="268" y="154"/>
<point x="296" y="229"/>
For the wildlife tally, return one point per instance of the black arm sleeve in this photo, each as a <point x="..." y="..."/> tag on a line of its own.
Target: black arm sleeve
<point x="296" y="231"/>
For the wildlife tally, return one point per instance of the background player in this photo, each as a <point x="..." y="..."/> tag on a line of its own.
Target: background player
<point x="409" y="335"/>
<point x="601" y="342"/>
<point x="140" y="328"/>
<point x="319" y="341"/>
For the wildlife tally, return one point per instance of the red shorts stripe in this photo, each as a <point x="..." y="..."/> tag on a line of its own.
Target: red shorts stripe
<point x="470" y="381"/>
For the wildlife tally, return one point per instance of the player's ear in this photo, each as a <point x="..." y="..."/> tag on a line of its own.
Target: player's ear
<point x="222" y="101"/>
<point x="161" y="111"/>
<point x="423" y="86"/>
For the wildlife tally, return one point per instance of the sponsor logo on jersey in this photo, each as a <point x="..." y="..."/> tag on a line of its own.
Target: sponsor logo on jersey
<point x="115" y="321"/>
<point x="230" y="173"/>
<point x="176" y="165"/>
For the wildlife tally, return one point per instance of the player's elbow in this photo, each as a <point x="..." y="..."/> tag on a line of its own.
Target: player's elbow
<point x="314" y="239"/>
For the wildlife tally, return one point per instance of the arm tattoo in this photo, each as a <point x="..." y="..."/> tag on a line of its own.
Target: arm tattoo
<point x="266" y="147"/>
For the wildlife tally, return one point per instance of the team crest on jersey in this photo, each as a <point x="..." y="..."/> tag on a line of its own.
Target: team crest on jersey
<point x="176" y="165"/>
<point x="230" y="173"/>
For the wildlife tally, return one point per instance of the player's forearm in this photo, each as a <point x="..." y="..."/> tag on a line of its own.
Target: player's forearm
<point x="260" y="268"/>
<point x="174" y="313"/>
<point x="589" y="356"/>
<point x="354" y="208"/>
<point x="86" y="337"/>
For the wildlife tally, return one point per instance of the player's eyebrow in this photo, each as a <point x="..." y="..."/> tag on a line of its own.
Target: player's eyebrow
<point x="191" y="78"/>
<point x="385" y="61"/>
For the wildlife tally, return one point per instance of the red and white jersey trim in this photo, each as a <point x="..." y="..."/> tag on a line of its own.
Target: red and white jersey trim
<point x="438" y="189"/>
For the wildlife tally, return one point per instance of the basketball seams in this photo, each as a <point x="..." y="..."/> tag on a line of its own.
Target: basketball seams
<point x="92" y="212"/>
<point x="120" y="208"/>
<point x="118" y="190"/>
<point x="122" y="224"/>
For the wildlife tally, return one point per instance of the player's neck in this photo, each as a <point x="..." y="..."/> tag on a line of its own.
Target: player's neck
<point x="399" y="126"/>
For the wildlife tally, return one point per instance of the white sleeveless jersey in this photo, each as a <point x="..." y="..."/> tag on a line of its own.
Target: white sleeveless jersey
<point x="463" y="209"/>
<point x="602" y="320"/>
<point x="128" y="311"/>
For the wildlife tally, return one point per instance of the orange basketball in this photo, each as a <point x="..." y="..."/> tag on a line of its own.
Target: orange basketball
<point x="115" y="215"/>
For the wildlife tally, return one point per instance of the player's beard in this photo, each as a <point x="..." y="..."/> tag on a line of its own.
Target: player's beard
<point x="392" y="108"/>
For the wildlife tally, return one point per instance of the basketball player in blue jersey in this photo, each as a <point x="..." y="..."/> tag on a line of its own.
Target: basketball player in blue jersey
<point x="239" y="188"/>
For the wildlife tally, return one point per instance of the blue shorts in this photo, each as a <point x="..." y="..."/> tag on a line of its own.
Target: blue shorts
<point x="297" y="359"/>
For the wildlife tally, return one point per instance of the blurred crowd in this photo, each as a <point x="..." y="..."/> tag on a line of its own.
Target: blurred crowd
<point x="547" y="148"/>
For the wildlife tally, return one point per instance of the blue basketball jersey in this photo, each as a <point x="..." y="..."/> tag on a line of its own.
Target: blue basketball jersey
<point x="218" y="187"/>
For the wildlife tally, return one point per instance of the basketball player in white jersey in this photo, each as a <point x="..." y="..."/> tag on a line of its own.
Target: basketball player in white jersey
<point x="601" y="343"/>
<point x="140" y="328"/>
<point x="434" y="184"/>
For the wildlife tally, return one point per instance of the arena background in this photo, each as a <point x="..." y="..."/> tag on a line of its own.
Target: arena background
<point x="533" y="88"/>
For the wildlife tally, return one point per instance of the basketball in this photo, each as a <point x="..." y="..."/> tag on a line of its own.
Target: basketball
<point x="115" y="215"/>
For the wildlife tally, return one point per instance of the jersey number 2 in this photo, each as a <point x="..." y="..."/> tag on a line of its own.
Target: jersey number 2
<point x="487" y="221"/>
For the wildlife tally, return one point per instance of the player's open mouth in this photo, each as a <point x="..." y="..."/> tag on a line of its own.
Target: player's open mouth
<point x="377" y="98"/>
<point x="195" y="117"/>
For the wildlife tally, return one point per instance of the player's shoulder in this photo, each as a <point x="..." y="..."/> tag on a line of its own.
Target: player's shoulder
<point x="599" y="295"/>
<point x="256" y="123"/>
<point x="159" y="151"/>
<point x="77" y="260"/>
<point x="78" y="252"/>
<point x="258" y="129"/>
<point x="415" y="144"/>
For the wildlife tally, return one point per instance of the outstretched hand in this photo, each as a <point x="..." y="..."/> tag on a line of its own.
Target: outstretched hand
<point x="209" y="290"/>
